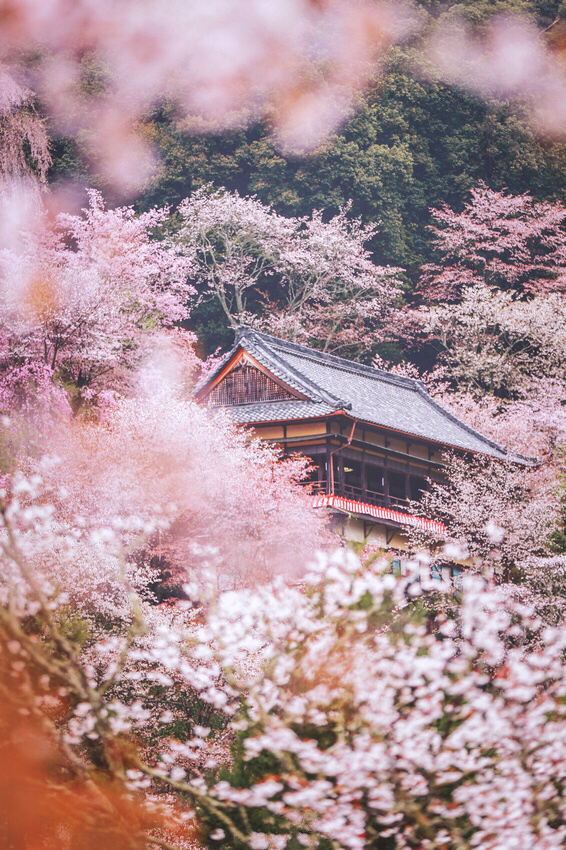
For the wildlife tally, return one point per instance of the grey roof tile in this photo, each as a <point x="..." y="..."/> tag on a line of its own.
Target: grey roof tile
<point x="278" y="411"/>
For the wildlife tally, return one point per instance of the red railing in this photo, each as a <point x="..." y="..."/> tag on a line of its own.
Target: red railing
<point x="353" y="506"/>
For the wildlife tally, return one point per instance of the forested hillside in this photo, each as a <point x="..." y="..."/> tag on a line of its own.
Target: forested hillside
<point x="412" y="144"/>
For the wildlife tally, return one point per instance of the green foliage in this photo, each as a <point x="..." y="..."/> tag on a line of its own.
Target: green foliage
<point x="75" y="156"/>
<point x="411" y="145"/>
<point x="188" y="710"/>
<point x="74" y="627"/>
<point x="244" y="774"/>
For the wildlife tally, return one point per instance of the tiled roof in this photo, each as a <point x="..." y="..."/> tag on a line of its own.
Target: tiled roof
<point x="279" y="411"/>
<point x="369" y="395"/>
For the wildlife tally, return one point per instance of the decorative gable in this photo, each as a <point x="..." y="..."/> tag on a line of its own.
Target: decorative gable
<point x="246" y="384"/>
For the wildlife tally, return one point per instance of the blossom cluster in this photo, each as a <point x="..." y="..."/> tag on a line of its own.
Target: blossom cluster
<point x="364" y="725"/>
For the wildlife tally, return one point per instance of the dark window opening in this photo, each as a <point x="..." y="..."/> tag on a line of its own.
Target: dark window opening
<point x="418" y="487"/>
<point x="375" y="480"/>
<point x="397" y="485"/>
<point x="353" y="475"/>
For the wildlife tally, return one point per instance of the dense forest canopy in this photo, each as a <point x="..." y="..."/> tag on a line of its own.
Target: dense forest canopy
<point x="413" y="143"/>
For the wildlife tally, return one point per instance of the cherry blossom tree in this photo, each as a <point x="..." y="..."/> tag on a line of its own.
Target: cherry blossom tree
<point x="24" y="146"/>
<point x="349" y="732"/>
<point x="493" y="302"/>
<point x="237" y="243"/>
<point x="227" y="500"/>
<point x="505" y="241"/>
<point x="498" y="514"/>
<point x="533" y="425"/>
<point x="334" y="294"/>
<point x="85" y="533"/>
<point x="83" y="299"/>
<point x="308" y="278"/>
<point x="358" y="734"/>
<point x="494" y="341"/>
<point x="499" y="333"/>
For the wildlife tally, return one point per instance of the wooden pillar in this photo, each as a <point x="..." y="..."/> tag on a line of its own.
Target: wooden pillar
<point x="328" y="459"/>
<point x="364" y="482"/>
<point x="340" y="473"/>
<point x="385" y="474"/>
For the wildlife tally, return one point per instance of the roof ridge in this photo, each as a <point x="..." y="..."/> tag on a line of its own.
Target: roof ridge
<point x="340" y="362"/>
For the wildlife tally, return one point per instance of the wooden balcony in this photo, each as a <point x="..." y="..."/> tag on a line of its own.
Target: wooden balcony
<point x="359" y="494"/>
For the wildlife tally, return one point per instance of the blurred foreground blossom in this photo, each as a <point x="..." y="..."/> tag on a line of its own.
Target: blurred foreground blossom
<point x="510" y="60"/>
<point x="303" y="63"/>
<point x="308" y="59"/>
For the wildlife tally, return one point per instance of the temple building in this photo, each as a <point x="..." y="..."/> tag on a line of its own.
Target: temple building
<point x="374" y="438"/>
